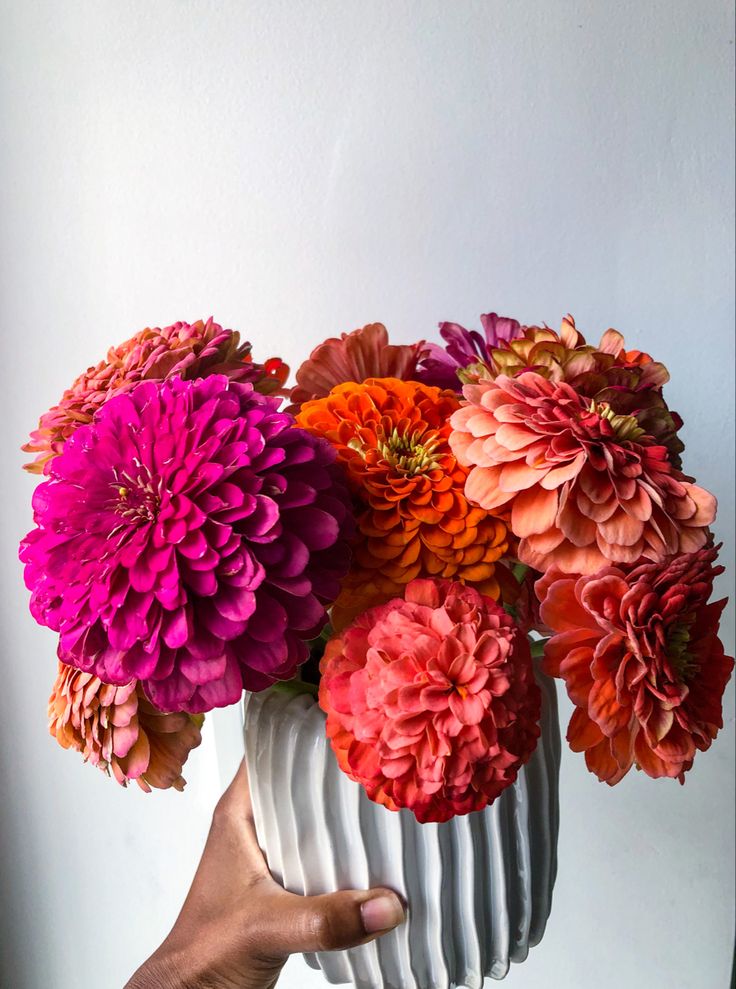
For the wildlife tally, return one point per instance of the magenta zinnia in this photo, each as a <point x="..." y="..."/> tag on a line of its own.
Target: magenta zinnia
<point x="184" y="350"/>
<point x="190" y="538"/>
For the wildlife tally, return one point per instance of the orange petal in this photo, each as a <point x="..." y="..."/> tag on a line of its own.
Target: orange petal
<point x="605" y="708"/>
<point x="582" y="733"/>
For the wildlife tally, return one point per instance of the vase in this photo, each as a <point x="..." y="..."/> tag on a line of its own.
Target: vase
<point x="478" y="887"/>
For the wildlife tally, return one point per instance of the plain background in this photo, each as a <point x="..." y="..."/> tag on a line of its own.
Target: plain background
<point x="298" y="169"/>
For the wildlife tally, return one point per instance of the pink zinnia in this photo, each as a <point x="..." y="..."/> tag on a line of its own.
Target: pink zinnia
<point x="431" y="700"/>
<point x="585" y="487"/>
<point x="190" y="538"/>
<point x="184" y="350"/>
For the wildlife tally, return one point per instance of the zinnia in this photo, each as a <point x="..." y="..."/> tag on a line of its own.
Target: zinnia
<point x="586" y="487"/>
<point x="629" y="382"/>
<point x="190" y="538"/>
<point x="413" y="518"/>
<point x="364" y="353"/>
<point x="120" y="732"/>
<point x="184" y="350"/>
<point x="441" y="365"/>
<point x="431" y="700"/>
<point x="642" y="662"/>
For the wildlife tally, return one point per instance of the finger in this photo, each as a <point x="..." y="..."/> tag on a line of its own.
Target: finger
<point x="329" y="922"/>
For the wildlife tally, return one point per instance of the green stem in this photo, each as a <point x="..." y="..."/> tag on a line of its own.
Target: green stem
<point x="519" y="571"/>
<point x="537" y="647"/>
<point x="295" y="687"/>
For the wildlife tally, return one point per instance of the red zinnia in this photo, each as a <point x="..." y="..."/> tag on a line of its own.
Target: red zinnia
<point x="641" y="659"/>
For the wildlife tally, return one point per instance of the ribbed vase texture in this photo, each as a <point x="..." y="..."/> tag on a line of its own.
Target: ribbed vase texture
<point x="479" y="887"/>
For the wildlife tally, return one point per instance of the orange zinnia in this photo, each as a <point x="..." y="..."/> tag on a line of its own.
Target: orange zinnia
<point x="414" y="520"/>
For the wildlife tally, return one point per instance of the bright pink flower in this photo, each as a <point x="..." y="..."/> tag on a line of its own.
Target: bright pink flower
<point x="190" y="538"/>
<point x="431" y="700"/>
<point x="642" y="662"/>
<point x="585" y="487"/>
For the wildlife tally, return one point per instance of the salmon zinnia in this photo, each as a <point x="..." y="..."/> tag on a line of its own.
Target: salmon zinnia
<point x="628" y="381"/>
<point x="586" y="487"/>
<point x="184" y="350"/>
<point x="356" y="356"/>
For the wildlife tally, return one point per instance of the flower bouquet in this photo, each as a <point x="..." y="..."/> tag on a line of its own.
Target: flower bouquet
<point x="391" y="558"/>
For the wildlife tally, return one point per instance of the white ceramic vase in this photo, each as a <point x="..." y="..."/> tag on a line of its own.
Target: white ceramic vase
<point x="479" y="888"/>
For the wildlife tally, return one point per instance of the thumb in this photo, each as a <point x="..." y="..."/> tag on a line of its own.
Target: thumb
<point x="332" y="921"/>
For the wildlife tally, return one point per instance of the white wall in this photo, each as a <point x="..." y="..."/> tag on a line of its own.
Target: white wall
<point x="299" y="168"/>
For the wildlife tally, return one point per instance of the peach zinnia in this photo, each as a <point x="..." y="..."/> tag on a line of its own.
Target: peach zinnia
<point x="642" y="662"/>
<point x="413" y="517"/>
<point x="118" y="730"/>
<point x="431" y="700"/>
<point x="586" y="487"/>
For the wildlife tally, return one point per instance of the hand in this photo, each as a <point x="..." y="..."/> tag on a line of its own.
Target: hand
<point x="238" y="926"/>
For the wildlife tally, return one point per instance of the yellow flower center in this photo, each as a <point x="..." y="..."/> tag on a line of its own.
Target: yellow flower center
<point x="136" y="498"/>
<point x="410" y="454"/>
<point x="625" y="427"/>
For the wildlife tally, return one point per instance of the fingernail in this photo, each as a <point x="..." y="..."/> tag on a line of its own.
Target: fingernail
<point x="382" y="913"/>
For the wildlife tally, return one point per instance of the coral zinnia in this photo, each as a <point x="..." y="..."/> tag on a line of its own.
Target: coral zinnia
<point x="364" y="353"/>
<point x="185" y="350"/>
<point x="463" y="347"/>
<point x="414" y="520"/>
<point x="188" y="538"/>
<point x="586" y="487"/>
<point x="119" y="731"/>
<point x="640" y="655"/>
<point x="431" y="700"/>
